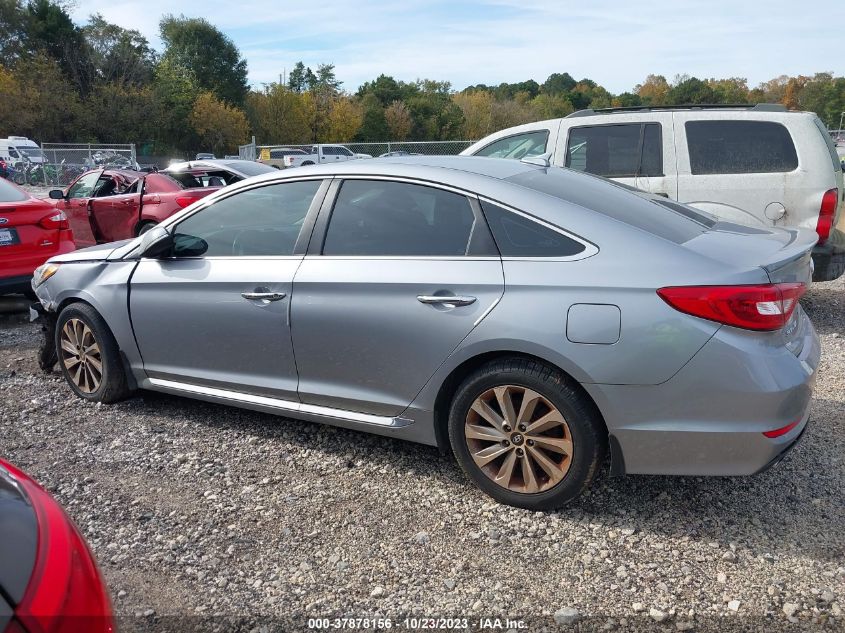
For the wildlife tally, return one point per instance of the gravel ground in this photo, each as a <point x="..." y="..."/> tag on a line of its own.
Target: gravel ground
<point x="206" y="516"/>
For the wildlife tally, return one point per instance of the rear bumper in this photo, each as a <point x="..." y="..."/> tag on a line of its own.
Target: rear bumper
<point x="13" y="285"/>
<point x="829" y="258"/>
<point x="709" y="418"/>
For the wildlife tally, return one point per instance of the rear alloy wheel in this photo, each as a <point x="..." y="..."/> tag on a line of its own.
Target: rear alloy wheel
<point x="526" y="434"/>
<point x="88" y="355"/>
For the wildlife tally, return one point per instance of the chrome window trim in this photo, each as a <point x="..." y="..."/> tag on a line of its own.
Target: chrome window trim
<point x="278" y="403"/>
<point x="590" y="249"/>
<point x="434" y="258"/>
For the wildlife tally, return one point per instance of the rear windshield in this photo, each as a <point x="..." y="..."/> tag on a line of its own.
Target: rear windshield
<point x="10" y="193"/>
<point x="665" y="219"/>
<point x="250" y="168"/>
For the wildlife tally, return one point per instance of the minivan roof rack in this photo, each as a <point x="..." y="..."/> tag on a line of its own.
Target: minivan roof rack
<point x="758" y="107"/>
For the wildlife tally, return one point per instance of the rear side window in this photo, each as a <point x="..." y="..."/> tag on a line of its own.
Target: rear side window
<point x="740" y="147"/>
<point x="616" y="151"/>
<point x="10" y="193"/>
<point x="517" y="146"/>
<point x="518" y="236"/>
<point x="382" y="218"/>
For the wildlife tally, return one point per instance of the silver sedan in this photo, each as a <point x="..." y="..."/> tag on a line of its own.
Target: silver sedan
<point x="527" y="318"/>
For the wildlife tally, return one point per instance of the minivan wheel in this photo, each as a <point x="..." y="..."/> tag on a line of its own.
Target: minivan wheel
<point x="89" y="356"/>
<point x="526" y="435"/>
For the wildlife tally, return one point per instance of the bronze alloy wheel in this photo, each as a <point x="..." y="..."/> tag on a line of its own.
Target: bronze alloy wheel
<point x="519" y="439"/>
<point x="80" y="355"/>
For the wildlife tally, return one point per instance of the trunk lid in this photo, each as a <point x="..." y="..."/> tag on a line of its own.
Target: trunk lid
<point x="784" y="254"/>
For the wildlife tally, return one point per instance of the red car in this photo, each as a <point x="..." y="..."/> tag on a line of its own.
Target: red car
<point x="31" y="232"/>
<point x="106" y="205"/>
<point x="49" y="581"/>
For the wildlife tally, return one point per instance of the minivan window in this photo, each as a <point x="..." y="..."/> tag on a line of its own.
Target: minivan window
<point x="739" y="147"/>
<point x="615" y="201"/>
<point x="264" y="221"/>
<point x="616" y="151"/>
<point x="383" y="218"/>
<point x="517" y="146"/>
<point x="518" y="236"/>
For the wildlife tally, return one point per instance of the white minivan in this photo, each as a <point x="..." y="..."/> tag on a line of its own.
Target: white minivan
<point x="753" y="165"/>
<point x="16" y="149"/>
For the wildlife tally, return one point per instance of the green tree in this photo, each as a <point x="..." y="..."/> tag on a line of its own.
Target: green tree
<point x="279" y="115"/>
<point x="373" y="123"/>
<point x="50" y="29"/>
<point x="654" y="90"/>
<point x="691" y="91"/>
<point x="557" y="84"/>
<point x="212" y="57"/>
<point x="398" y="119"/>
<point x="118" y="55"/>
<point x="175" y="91"/>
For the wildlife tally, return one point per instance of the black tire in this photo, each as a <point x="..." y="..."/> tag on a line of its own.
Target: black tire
<point x="144" y="227"/>
<point x="307" y="162"/>
<point x="113" y="385"/>
<point x="585" y="425"/>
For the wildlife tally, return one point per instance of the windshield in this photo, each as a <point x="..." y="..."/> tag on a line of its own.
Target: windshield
<point x="31" y="152"/>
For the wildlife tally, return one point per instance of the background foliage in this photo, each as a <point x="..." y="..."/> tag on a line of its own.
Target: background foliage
<point x="101" y="82"/>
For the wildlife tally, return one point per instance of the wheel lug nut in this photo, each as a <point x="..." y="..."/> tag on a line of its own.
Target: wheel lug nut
<point x="505" y="443"/>
<point x="507" y="427"/>
<point x="522" y="427"/>
<point x="520" y="452"/>
<point x="530" y="442"/>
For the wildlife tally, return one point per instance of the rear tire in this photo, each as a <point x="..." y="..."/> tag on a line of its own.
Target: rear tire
<point x="88" y="355"/>
<point x="526" y="434"/>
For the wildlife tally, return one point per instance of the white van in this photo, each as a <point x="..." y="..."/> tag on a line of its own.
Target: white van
<point x="748" y="164"/>
<point x="15" y="149"/>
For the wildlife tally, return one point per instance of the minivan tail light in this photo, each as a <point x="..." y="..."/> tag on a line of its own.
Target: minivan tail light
<point x="826" y="212"/>
<point x="762" y="307"/>
<point x="55" y="221"/>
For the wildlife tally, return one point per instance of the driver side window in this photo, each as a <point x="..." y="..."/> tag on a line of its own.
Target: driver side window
<point x="83" y="187"/>
<point x="260" y="222"/>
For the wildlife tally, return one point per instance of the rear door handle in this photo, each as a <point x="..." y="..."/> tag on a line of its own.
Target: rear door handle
<point x="265" y="296"/>
<point x="451" y="300"/>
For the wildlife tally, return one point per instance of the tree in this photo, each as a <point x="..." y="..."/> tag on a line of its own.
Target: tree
<point x="118" y="55"/>
<point x="13" y="30"/>
<point x="558" y="83"/>
<point x="731" y="90"/>
<point x="213" y="58"/>
<point x="219" y="125"/>
<point x="119" y="112"/>
<point x="398" y="120"/>
<point x="279" y="115"/>
<point x="477" y="108"/>
<point x="373" y="124"/>
<point x="50" y="29"/>
<point x="175" y="91"/>
<point x="296" y="78"/>
<point x="654" y="90"/>
<point x="691" y="91"/>
<point x="548" y="106"/>
<point x="345" y="119"/>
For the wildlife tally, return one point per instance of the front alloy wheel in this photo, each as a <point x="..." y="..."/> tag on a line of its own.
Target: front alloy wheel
<point x="80" y="355"/>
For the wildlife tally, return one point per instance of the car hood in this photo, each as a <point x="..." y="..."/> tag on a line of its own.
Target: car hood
<point x="90" y="254"/>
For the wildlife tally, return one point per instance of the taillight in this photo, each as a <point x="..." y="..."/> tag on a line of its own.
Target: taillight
<point x="65" y="592"/>
<point x="184" y="201"/>
<point x="54" y="221"/>
<point x="826" y="212"/>
<point x="760" y="307"/>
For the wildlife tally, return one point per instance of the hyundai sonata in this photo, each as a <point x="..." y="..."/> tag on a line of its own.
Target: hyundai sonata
<point x="527" y="317"/>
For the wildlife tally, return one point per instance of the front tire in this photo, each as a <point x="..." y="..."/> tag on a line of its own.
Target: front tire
<point x="526" y="435"/>
<point x="89" y="356"/>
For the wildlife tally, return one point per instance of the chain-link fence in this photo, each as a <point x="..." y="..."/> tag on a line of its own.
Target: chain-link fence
<point x="390" y="148"/>
<point x="58" y="164"/>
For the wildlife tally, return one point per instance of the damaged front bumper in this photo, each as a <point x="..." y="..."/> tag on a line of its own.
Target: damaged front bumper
<point x="47" y="353"/>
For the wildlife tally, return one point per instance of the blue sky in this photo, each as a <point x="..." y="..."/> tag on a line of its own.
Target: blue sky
<point x="615" y="43"/>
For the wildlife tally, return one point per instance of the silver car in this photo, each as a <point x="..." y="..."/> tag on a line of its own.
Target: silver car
<point x="529" y="318"/>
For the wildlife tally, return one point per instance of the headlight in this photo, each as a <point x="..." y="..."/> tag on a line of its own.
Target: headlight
<point x="43" y="273"/>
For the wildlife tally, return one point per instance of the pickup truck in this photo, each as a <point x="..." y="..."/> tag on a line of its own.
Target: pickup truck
<point x="322" y="154"/>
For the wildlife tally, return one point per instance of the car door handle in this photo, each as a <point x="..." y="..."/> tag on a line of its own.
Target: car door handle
<point x="447" y="299"/>
<point x="265" y="296"/>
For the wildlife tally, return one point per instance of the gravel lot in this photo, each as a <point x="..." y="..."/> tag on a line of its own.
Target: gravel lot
<point x="209" y="517"/>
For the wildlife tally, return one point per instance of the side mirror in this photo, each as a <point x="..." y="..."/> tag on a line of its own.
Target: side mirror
<point x="56" y="194"/>
<point x="156" y="242"/>
<point x="189" y="246"/>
